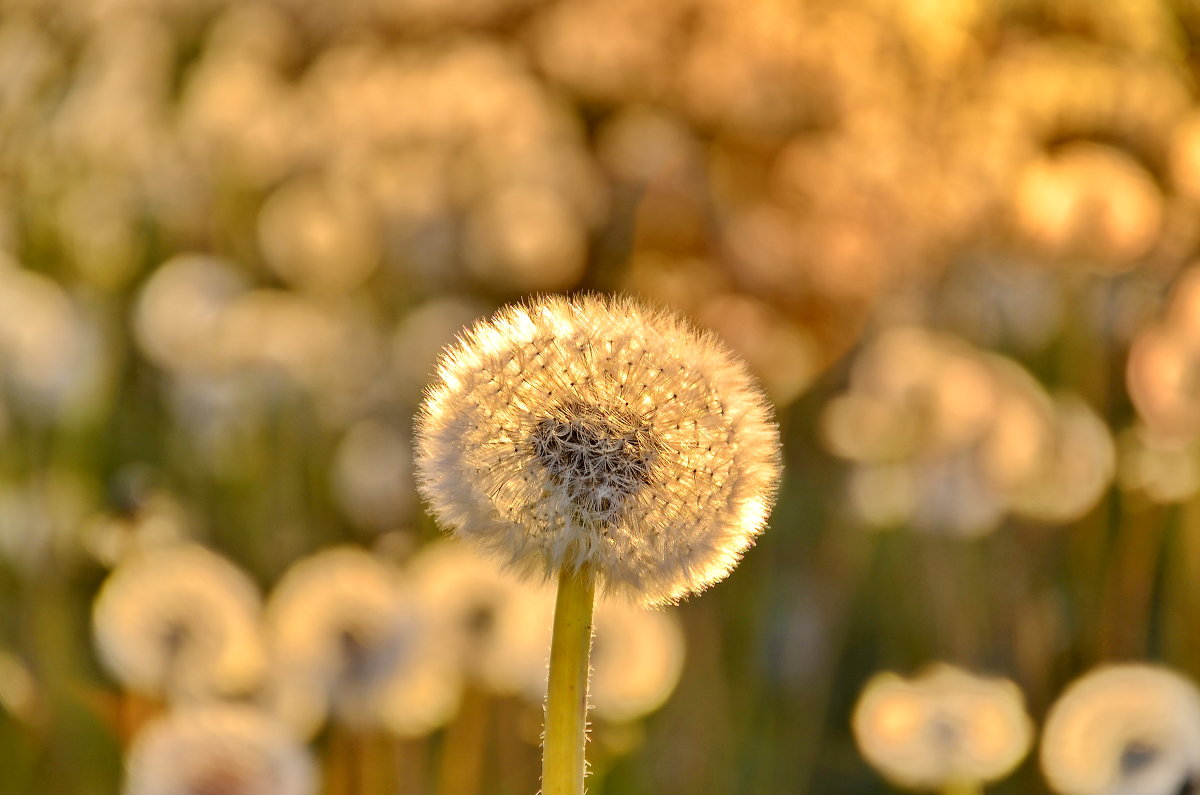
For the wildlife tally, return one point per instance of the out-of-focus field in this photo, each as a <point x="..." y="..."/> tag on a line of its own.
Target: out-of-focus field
<point x="953" y="238"/>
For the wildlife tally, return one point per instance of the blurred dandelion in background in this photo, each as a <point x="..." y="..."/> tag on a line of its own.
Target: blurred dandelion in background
<point x="1124" y="728"/>
<point x="221" y="749"/>
<point x="181" y="623"/>
<point x="944" y="727"/>
<point x="350" y="640"/>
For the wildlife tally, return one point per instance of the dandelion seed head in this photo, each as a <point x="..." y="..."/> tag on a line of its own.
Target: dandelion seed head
<point x="942" y="726"/>
<point x="218" y="749"/>
<point x="595" y="431"/>
<point x="181" y="622"/>
<point x="1132" y="729"/>
<point x="350" y="628"/>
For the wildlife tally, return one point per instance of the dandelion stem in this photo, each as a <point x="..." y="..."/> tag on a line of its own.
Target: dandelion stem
<point x="566" y="696"/>
<point x="961" y="788"/>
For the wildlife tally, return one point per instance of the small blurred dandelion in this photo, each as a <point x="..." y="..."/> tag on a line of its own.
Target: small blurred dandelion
<point x="218" y="749"/>
<point x="349" y="636"/>
<point x="606" y="443"/>
<point x="1131" y="729"/>
<point x="597" y="432"/>
<point x="180" y="622"/>
<point x="945" y="729"/>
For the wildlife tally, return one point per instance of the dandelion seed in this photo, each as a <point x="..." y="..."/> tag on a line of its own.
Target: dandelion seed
<point x="596" y="432"/>
<point x="1132" y="729"/>
<point x="218" y="749"/>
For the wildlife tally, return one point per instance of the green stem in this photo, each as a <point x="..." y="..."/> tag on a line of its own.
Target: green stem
<point x="961" y="788"/>
<point x="566" y="694"/>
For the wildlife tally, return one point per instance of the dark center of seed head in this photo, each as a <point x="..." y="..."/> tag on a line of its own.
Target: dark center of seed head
<point x="1136" y="757"/>
<point x="597" y="461"/>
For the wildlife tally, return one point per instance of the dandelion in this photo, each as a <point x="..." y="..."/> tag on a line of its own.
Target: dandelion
<point x="603" y="442"/>
<point x="596" y="433"/>
<point x="220" y="749"/>
<point x="1132" y="729"/>
<point x="346" y="627"/>
<point x="946" y="729"/>
<point x="181" y="622"/>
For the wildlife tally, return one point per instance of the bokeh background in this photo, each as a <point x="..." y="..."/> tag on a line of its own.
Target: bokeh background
<point x="953" y="238"/>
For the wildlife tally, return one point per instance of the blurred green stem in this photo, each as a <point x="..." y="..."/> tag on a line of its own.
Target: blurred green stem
<point x="961" y="788"/>
<point x="566" y="695"/>
<point x="461" y="767"/>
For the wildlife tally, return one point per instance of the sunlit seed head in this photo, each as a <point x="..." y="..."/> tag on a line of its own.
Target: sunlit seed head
<point x="180" y="622"/>
<point x="348" y="629"/>
<point x="1132" y="729"/>
<point x="943" y="726"/>
<point x="219" y="749"/>
<point x="593" y="431"/>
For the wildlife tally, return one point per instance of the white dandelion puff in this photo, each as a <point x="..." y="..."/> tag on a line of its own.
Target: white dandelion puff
<point x="593" y="431"/>
<point x="350" y="636"/>
<point x="944" y="727"/>
<point x="1131" y="729"/>
<point x="181" y="622"/>
<point x="218" y="749"/>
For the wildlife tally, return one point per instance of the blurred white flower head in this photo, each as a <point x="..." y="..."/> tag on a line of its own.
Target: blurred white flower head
<point x="181" y="622"/>
<point x="593" y="431"/>
<point x="942" y="727"/>
<point x="1131" y="729"/>
<point x="351" y="637"/>
<point x="219" y="749"/>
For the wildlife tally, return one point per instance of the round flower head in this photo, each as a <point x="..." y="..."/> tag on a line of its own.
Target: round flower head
<point x="219" y="749"/>
<point x="351" y="636"/>
<point x="182" y="622"/>
<point x="593" y="431"/>
<point x="1124" y="730"/>
<point x="942" y="727"/>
